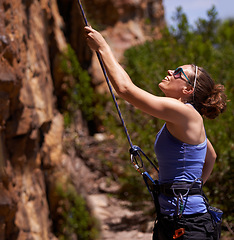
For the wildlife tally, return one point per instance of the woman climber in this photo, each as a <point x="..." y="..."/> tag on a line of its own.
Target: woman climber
<point x="185" y="155"/>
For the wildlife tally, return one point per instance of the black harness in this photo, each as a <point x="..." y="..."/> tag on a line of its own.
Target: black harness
<point x="183" y="188"/>
<point x="176" y="189"/>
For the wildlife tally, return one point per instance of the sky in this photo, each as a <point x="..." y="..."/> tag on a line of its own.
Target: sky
<point x="195" y="9"/>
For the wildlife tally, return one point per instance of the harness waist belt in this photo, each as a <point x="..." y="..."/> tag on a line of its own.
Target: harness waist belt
<point x="183" y="188"/>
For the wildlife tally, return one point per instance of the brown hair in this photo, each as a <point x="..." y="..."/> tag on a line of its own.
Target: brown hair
<point x="209" y="98"/>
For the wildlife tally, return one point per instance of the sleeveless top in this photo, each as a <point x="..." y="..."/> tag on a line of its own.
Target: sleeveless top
<point x="179" y="161"/>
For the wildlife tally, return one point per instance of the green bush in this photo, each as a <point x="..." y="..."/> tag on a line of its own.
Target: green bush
<point x="74" y="217"/>
<point x="78" y="88"/>
<point x="210" y="45"/>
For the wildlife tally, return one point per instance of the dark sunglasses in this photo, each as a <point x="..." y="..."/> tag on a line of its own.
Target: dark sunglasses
<point x="177" y="74"/>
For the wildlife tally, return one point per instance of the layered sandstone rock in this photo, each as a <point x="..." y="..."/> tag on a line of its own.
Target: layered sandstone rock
<point x="32" y="34"/>
<point x="31" y="127"/>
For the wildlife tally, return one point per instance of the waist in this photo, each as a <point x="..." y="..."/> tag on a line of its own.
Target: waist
<point x="192" y="205"/>
<point x="180" y="188"/>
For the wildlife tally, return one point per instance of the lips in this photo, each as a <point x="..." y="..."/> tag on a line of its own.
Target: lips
<point x="166" y="79"/>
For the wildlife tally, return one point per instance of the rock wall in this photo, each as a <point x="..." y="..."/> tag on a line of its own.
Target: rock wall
<point x="32" y="34"/>
<point x="31" y="127"/>
<point x="123" y="23"/>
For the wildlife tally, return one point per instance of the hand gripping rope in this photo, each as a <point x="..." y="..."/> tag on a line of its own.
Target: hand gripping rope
<point x="135" y="152"/>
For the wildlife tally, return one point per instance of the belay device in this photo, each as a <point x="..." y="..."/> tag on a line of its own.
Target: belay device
<point x="136" y="153"/>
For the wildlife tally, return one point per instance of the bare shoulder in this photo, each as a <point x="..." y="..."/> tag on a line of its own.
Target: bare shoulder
<point x="184" y="114"/>
<point x="190" y="114"/>
<point x="193" y="113"/>
<point x="190" y="129"/>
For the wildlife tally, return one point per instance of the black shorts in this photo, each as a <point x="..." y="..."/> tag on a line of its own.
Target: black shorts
<point x="197" y="227"/>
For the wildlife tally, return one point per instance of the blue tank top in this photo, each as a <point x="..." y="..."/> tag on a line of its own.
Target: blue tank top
<point x="179" y="161"/>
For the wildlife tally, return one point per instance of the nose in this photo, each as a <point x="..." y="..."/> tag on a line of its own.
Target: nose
<point x="170" y="72"/>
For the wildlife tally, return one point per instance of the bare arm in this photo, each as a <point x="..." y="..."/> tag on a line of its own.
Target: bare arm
<point x="209" y="161"/>
<point x="168" y="109"/>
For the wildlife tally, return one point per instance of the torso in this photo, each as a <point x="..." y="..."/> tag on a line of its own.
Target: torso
<point x="179" y="161"/>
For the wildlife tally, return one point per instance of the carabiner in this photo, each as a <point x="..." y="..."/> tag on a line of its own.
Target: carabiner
<point x="180" y="205"/>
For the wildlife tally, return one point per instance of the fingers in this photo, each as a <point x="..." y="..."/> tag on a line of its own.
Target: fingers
<point x="88" y="29"/>
<point x="87" y="32"/>
<point x="94" y="39"/>
<point x="89" y="36"/>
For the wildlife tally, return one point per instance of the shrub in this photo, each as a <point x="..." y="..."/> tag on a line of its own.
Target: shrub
<point x="74" y="218"/>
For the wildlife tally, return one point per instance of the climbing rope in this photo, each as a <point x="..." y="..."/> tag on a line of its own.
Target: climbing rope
<point x="135" y="151"/>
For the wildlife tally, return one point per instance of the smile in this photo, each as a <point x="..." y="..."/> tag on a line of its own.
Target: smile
<point x="166" y="79"/>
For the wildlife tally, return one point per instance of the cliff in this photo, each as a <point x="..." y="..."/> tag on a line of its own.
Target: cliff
<point x="32" y="158"/>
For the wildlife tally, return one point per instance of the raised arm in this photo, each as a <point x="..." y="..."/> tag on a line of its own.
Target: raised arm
<point x="118" y="77"/>
<point x="166" y="108"/>
<point x="209" y="161"/>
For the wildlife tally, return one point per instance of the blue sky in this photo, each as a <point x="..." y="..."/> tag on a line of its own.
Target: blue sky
<point x="195" y="9"/>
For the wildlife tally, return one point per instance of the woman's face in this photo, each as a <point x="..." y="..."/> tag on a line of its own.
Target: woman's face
<point x="174" y="83"/>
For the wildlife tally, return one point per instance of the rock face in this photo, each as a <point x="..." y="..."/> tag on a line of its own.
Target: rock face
<point x="32" y="34"/>
<point x="31" y="127"/>
<point x="123" y="23"/>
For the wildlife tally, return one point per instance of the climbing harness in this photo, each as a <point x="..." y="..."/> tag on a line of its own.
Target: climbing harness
<point x="181" y="190"/>
<point x="136" y="154"/>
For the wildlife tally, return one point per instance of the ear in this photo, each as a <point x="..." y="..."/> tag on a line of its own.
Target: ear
<point x="188" y="90"/>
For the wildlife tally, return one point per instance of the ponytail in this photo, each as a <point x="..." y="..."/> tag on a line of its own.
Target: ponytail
<point x="209" y="98"/>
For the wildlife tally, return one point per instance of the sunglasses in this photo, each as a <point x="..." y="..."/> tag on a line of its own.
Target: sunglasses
<point x="177" y="74"/>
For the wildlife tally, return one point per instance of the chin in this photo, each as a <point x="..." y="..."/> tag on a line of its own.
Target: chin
<point x="160" y="85"/>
